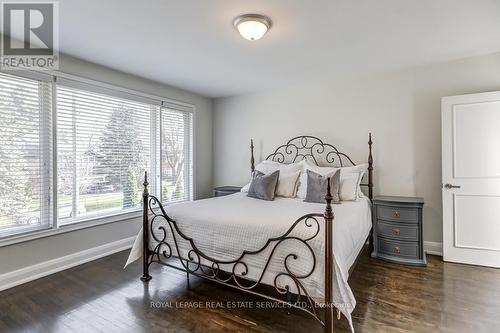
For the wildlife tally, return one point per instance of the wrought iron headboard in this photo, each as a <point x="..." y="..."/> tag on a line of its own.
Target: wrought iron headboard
<point x="312" y="149"/>
<point x="315" y="150"/>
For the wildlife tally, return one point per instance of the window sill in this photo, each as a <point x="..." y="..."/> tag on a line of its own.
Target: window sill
<point x="28" y="236"/>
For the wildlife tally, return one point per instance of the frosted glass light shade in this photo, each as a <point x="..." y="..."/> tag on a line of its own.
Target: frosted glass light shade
<point x="252" y="26"/>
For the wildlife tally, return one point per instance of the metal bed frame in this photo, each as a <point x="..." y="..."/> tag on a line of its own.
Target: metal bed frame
<point x="296" y="149"/>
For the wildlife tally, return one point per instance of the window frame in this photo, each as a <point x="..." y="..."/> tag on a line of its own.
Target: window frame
<point x="46" y="158"/>
<point x="158" y="178"/>
<point x="70" y="84"/>
<point x="56" y="77"/>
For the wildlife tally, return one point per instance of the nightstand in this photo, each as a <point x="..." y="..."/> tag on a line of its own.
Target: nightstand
<point x="226" y="190"/>
<point x="397" y="230"/>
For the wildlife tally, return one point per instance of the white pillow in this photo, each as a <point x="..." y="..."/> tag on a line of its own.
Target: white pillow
<point x="267" y="167"/>
<point x="245" y="188"/>
<point x="318" y="169"/>
<point x="302" y="191"/>
<point x="351" y="189"/>
<point x="270" y="166"/>
<point x="359" y="170"/>
<point x="302" y="185"/>
<point x="287" y="184"/>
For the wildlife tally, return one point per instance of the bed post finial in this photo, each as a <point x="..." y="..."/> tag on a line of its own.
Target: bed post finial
<point x="370" y="187"/>
<point x="252" y="159"/>
<point x="328" y="198"/>
<point x="145" y="236"/>
<point x="370" y="167"/>
<point x="328" y="260"/>
<point x="145" y="192"/>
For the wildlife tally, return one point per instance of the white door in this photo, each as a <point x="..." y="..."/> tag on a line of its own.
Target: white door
<point x="471" y="178"/>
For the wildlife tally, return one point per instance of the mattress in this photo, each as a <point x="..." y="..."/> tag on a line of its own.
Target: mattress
<point x="224" y="227"/>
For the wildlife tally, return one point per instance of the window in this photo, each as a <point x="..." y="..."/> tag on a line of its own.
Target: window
<point x="105" y="139"/>
<point x="25" y="159"/>
<point x="103" y="149"/>
<point x="176" y="155"/>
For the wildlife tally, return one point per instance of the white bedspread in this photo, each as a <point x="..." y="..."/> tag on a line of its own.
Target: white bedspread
<point x="223" y="227"/>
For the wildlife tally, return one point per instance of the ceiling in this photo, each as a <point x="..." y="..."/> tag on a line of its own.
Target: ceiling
<point x="192" y="44"/>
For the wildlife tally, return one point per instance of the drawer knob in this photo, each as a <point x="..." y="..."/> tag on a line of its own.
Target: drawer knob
<point x="396" y="232"/>
<point x="396" y="213"/>
<point x="396" y="249"/>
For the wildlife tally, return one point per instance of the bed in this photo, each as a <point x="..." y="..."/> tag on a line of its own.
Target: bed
<point x="287" y="243"/>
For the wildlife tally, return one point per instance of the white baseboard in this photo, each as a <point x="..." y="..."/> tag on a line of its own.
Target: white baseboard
<point x="30" y="273"/>
<point x="435" y="248"/>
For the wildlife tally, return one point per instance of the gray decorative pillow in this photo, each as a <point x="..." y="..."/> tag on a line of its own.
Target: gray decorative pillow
<point x="263" y="186"/>
<point x="317" y="185"/>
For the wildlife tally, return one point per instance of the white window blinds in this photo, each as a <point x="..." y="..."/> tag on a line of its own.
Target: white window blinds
<point x="25" y="154"/>
<point x="104" y="147"/>
<point x="176" y="155"/>
<point x="81" y="147"/>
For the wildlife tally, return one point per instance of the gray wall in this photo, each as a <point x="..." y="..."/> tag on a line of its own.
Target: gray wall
<point x="402" y="110"/>
<point x="28" y="253"/>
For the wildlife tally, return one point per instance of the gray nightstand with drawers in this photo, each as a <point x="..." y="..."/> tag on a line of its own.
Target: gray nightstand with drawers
<point x="397" y="230"/>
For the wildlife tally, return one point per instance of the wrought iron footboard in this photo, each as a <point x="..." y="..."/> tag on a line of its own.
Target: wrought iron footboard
<point x="234" y="272"/>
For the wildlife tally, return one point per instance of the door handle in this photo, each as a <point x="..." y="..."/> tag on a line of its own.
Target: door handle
<point x="450" y="186"/>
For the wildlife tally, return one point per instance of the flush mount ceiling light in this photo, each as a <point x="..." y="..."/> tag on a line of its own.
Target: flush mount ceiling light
<point x="252" y="26"/>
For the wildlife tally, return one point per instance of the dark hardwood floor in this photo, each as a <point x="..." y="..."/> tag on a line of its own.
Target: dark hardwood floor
<point x="102" y="297"/>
